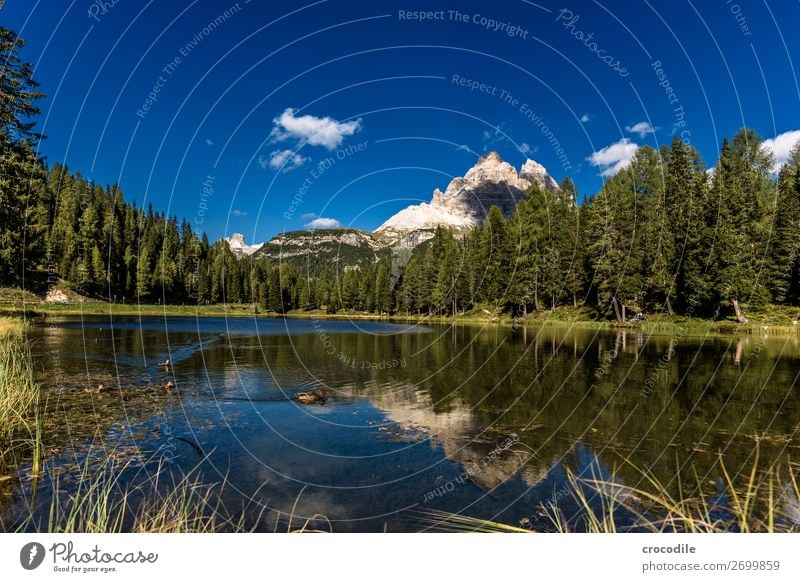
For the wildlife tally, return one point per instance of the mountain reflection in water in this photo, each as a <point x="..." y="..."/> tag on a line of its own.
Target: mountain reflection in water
<point x="487" y="422"/>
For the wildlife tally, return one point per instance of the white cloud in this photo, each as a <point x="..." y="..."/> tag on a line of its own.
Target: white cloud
<point x="209" y="142"/>
<point x="284" y="160"/>
<point x="642" y="128"/>
<point x="585" y="118"/>
<point x="321" y="222"/>
<point x="237" y="212"/>
<point x="615" y="157"/>
<point x="781" y="146"/>
<point x="308" y="216"/>
<point x="317" y="131"/>
<point x="498" y="135"/>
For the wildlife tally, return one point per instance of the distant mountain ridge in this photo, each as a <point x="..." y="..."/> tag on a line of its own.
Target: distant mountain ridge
<point x="463" y="205"/>
<point x="313" y="250"/>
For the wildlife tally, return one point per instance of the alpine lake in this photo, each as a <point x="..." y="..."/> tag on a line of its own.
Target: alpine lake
<point x="420" y="420"/>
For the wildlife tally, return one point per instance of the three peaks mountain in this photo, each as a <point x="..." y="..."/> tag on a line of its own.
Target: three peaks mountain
<point x="463" y="205"/>
<point x="466" y="201"/>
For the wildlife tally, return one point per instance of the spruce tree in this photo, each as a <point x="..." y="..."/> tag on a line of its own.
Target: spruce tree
<point x="21" y="173"/>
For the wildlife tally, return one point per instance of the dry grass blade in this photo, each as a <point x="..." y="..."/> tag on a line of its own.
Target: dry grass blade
<point x="454" y="522"/>
<point x="652" y="507"/>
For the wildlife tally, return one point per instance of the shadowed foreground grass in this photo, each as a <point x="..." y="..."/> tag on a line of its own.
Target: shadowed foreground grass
<point x="101" y="503"/>
<point x="19" y="394"/>
<point x="160" y="500"/>
<point x="760" y="502"/>
<point x="766" y="501"/>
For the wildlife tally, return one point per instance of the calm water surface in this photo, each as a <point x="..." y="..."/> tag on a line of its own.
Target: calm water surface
<point x="412" y="409"/>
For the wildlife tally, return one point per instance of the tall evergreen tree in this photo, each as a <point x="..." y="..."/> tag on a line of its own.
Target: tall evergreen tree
<point x="21" y="173"/>
<point x="742" y="192"/>
<point x="782" y="264"/>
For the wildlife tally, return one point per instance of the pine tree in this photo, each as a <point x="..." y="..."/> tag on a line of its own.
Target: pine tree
<point x="782" y="264"/>
<point x="383" y="290"/>
<point x="144" y="278"/>
<point x="742" y="191"/>
<point x="275" y="296"/>
<point x="656" y="230"/>
<point x="500" y="258"/>
<point x="525" y="227"/>
<point x="21" y="173"/>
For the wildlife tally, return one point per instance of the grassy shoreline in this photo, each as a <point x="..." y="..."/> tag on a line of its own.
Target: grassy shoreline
<point x="773" y="322"/>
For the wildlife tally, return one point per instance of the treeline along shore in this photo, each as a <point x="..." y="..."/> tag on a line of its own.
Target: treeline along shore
<point x="665" y="235"/>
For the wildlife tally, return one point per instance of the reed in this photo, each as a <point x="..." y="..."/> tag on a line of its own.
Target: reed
<point x="19" y="393"/>
<point x="760" y="501"/>
<point x="119" y="497"/>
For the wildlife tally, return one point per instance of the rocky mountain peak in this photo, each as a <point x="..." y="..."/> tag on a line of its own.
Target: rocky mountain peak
<point x="535" y="173"/>
<point x="489" y="158"/>
<point x="466" y="201"/>
<point x="489" y="168"/>
<point x="239" y="247"/>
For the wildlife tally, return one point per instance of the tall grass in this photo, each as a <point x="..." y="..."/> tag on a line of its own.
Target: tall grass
<point x="762" y="501"/>
<point x="19" y="393"/>
<point x="121" y="497"/>
<point x="160" y="503"/>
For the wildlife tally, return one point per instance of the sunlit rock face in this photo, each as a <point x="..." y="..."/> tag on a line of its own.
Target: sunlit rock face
<point x="239" y="248"/>
<point x="466" y="201"/>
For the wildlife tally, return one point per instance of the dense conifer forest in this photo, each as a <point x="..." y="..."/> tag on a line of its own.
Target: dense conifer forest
<point x="662" y="234"/>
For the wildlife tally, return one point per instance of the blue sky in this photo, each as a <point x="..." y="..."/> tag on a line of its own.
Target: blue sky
<point x="294" y="112"/>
